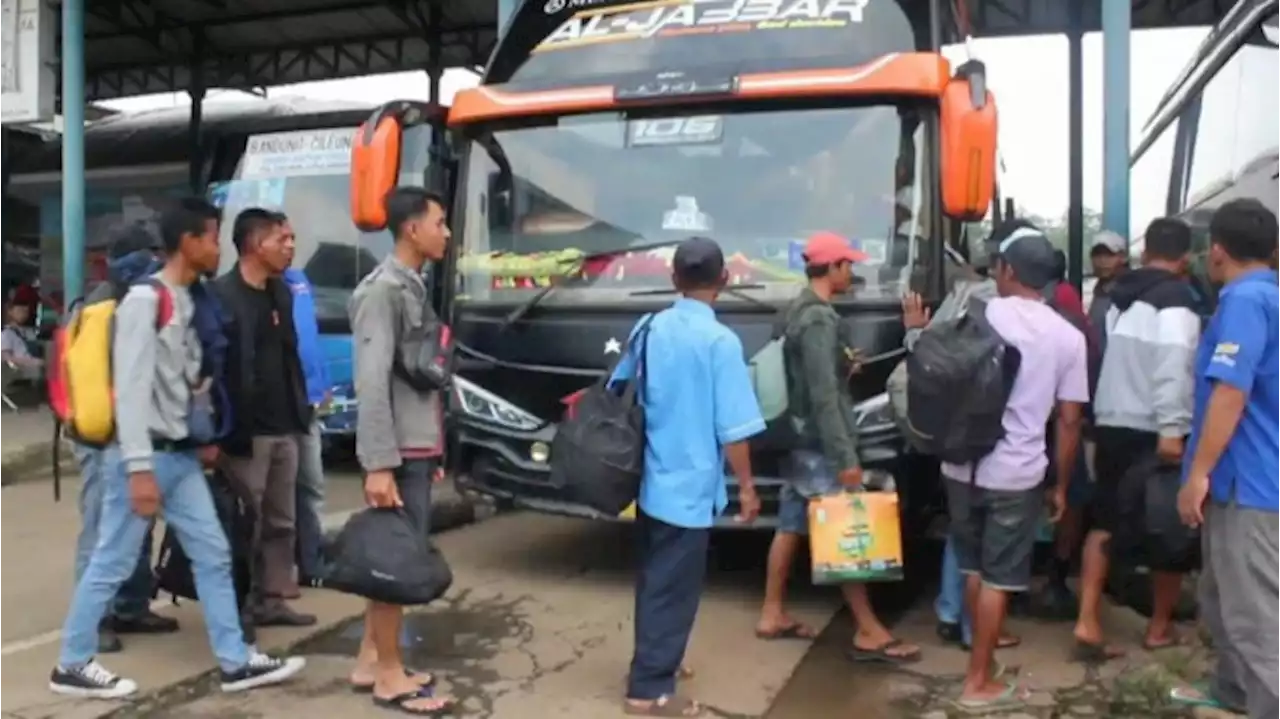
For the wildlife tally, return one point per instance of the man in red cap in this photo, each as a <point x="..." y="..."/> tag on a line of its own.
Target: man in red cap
<point x="819" y="360"/>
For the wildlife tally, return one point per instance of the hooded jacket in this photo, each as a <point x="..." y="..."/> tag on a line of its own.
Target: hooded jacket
<point x="304" y="324"/>
<point x="1147" y="381"/>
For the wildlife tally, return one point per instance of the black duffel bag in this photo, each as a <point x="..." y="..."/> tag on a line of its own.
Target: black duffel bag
<point x="1171" y="546"/>
<point x="597" y="456"/>
<point x="381" y="555"/>
<point x="173" y="569"/>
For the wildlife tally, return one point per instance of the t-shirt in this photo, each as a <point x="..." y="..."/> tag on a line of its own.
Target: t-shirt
<point x="1054" y="368"/>
<point x="13" y="343"/>
<point x="274" y="405"/>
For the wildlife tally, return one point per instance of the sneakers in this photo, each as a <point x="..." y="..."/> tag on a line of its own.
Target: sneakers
<point x="261" y="671"/>
<point x="91" y="681"/>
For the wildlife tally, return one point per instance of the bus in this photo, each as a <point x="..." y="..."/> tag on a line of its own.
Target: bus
<point x="604" y="132"/>
<point x="288" y="154"/>
<point x="1213" y="136"/>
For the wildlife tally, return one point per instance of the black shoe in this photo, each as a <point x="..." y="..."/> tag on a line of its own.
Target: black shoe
<point x="281" y="615"/>
<point x="108" y="641"/>
<point x="950" y="632"/>
<point x="146" y="623"/>
<point x="261" y="671"/>
<point x="91" y="681"/>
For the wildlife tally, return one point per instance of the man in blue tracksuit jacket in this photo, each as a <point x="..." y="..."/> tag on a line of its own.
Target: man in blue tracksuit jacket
<point x="310" y="463"/>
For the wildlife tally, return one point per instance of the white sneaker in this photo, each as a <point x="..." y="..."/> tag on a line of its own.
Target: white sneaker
<point x="261" y="671"/>
<point x="91" y="681"/>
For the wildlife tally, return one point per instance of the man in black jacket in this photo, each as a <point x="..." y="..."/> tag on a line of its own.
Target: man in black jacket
<point x="269" y="403"/>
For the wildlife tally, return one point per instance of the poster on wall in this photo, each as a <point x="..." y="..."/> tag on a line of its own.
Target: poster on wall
<point x="29" y="61"/>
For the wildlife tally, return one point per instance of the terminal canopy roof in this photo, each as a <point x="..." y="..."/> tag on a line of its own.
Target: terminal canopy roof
<point x="135" y="47"/>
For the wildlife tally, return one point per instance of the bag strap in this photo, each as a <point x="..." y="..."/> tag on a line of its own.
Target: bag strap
<point x="641" y="337"/>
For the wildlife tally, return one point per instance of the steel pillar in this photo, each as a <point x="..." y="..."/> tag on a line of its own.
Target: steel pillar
<point x="195" y="157"/>
<point x="1117" y="26"/>
<point x="506" y="9"/>
<point x="1075" y="144"/>
<point x="73" y="259"/>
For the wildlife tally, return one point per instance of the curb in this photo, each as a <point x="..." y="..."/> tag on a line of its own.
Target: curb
<point x="34" y="462"/>
<point x="451" y="510"/>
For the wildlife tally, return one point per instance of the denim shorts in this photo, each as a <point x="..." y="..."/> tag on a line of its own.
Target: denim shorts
<point x="809" y="475"/>
<point x="994" y="532"/>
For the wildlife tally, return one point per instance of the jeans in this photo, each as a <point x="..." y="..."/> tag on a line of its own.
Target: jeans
<point x="950" y="603"/>
<point x="310" y="494"/>
<point x="188" y="508"/>
<point x="134" y="598"/>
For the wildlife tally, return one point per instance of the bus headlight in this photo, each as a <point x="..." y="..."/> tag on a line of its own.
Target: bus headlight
<point x="475" y="401"/>
<point x="873" y="414"/>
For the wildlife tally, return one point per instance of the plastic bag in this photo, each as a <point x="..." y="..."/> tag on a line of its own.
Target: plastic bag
<point x="855" y="537"/>
<point x="381" y="555"/>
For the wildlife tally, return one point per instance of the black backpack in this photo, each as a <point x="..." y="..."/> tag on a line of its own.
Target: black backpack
<point x="173" y="568"/>
<point x="597" y="456"/>
<point x="961" y="374"/>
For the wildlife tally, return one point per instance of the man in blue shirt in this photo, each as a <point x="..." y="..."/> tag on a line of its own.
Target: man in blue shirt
<point x="700" y="409"/>
<point x="310" y="487"/>
<point x="1232" y="477"/>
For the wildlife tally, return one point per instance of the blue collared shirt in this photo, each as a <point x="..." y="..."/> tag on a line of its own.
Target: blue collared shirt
<point x="697" y="398"/>
<point x="1239" y="348"/>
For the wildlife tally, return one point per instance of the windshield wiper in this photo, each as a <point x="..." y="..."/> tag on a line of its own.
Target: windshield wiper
<point x="736" y="290"/>
<point x="519" y="312"/>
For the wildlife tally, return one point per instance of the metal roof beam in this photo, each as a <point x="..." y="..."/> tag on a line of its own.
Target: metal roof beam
<point x="173" y="23"/>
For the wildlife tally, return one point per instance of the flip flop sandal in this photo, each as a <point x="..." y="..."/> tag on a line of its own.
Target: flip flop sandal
<point x="426" y="681"/>
<point x="1173" y="640"/>
<point x="1091" y="653"/>
<point x="665" y="706"/>
<point x="797" y="631"/>
<point x="401" y="703"/>
<point x="1194" y="696"/>
<point x="882" y="654"/>
<point x="1012" y="697"/>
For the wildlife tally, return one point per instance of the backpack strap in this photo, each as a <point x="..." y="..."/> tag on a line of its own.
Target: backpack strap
<point x="164" y="303"/>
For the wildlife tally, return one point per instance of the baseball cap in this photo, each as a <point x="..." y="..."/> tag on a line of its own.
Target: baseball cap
<point x="1031" y="255"/>
<point x="828" y="248"/>
<point x="1107" y="241"/>
<point x="127" y="238"/>
<point x="699" y="260"/>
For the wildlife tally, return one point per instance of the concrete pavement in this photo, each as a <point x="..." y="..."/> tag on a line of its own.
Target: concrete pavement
<point x="36" y="573"/>
<point x="538" y="625"/>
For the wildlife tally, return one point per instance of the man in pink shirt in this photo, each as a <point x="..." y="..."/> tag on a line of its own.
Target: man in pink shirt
<point x="996" y="509"/>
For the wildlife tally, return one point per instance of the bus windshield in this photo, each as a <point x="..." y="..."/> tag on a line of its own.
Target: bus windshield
<point x="566" y="202"/>
<point x="305" y="175"/>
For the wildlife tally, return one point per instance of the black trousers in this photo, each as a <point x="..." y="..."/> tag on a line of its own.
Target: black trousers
<point x="673" y="565"/>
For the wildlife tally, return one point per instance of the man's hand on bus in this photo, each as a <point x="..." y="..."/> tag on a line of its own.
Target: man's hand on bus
<point x="850" y="478"/>
<point x="380" y="489"/>
<point x="915" y="316"/>
<point x="748" y="504"/>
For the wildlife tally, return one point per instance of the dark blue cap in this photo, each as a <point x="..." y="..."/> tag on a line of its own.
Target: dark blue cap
<point x="699" y="260"/>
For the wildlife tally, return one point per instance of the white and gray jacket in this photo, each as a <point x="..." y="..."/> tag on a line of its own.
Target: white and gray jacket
<point x="1147" y="380"/>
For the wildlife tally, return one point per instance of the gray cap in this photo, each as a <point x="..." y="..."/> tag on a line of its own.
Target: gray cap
<point x="1031" y="256"/>
<point x="1108" y="241"/>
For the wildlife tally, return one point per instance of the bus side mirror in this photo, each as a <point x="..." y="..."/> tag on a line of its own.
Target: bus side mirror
<point x="968" y="144"/>
<point x="375" y="160"/>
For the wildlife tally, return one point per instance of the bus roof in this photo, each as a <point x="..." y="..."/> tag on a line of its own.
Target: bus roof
<point x="161" y="136"/>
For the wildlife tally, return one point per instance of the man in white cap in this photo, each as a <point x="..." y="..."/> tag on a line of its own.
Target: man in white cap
<point x="1109" y="256"/>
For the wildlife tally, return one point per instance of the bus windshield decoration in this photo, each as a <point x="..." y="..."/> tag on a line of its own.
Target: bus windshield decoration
<point x="675" y="84"/>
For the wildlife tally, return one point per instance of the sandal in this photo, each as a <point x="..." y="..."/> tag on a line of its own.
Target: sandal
<point x="883" y="654"/>
<point x="402" y="703"/>
<point x="1012" y="697"/>
<point x="798" y="630"/>
<point x="664" y="706"/>
<point x="1170" y="640"/>
<point x="1004" y="641"/>
<point x="1095" y="652"/>
<point x="426" y="680"/>
<point x="1194" y="695"/>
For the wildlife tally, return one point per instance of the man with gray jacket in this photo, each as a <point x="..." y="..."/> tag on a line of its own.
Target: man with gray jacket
<point x="399" y="428"/>
<point x="1142" y="408"/>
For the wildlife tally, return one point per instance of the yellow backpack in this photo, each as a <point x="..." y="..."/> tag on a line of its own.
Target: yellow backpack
<point x="80" y="387"/>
